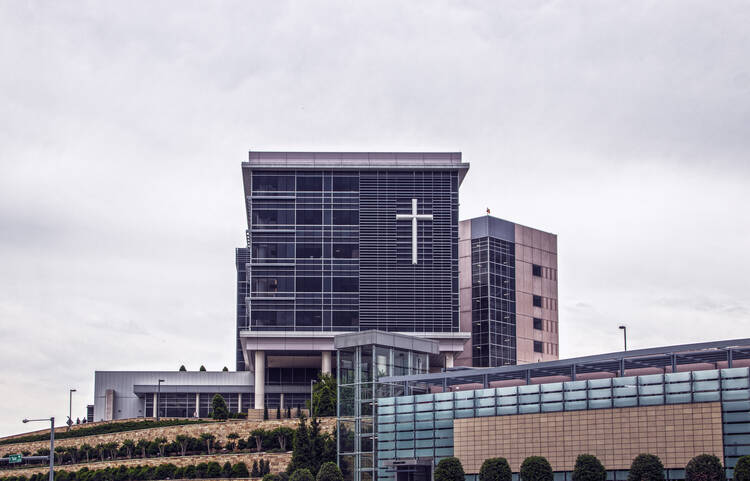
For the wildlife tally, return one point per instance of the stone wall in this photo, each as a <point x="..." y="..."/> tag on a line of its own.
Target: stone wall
<point x="278" y="461"/>
<point x="219" y="429"/>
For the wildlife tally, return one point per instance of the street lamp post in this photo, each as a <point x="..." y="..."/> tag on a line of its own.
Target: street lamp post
<point x="158" y="395"/>
<point x="625" y="336"/>
<point x="312" y="381"/>
<point x="51" y="444"/>
<point x="70" y="408"/>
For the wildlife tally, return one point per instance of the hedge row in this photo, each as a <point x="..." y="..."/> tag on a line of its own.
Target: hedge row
<point x="143" y="473"/>
<point x="645" y="467"/>
<point x="276" y="440"/>
<point x="103" y="429"/>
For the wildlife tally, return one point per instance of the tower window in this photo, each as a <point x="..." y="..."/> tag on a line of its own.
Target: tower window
<point x="537" y="324"/>
<point x="538" y="347"/>
<point x="536" y="270"/>
<point x="537" y="300"/>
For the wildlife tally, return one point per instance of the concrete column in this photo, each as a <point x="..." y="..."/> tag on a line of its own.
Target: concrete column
<point x="448" y="360"/>
<point x="239" y="402"/>
<point x="325" y="364"/>
<point x="260" y="379"/>
<point x="155" y="406"/>
<point x="281" y="401"/>
<point x="197" y="405"/>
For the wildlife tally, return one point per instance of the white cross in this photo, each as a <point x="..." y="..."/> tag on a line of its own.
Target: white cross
<point x="414" y="217"/>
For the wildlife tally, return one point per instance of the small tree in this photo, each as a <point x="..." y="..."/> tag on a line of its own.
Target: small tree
<point x="225" y="369"/>
<point x="742" y="469"/>
<point x="208" y="439"/>
<point x="302" y="474"/>
<point x="704" y="467"/>
<point x="202" y="368"/>
<point x="142" y="445"/>
<point x="646" y="467"/>
<point x="278" y="412"/>
<point x="232" y="440"/>
<point x="449" y="469"/>
<point x="258" y="434"/>
<point x="239" y="470"/>
<point x="302" y="456"/>
<point x="265" y="413"/>
<point x="589" y="468"/>
<point x="329" y="472"/>
<point x="495" y="469"/>
<point x="183" y="441"/>
<point x="161" y="443"/>
<point x="255" y="472"/>
<point x="536" y="468"/>
<point x="283" y="435"/>
<point x="289" y="412"/>
<point x="129" y="446"/>
<point x="324" y="396"/>
<point x="182" y="368"/>
<point x="219" y="407"/>
<point x="271" y="477"/>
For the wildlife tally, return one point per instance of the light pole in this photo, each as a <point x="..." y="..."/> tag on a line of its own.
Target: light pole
<point x="70" y="408"/>
<point x="51" y="444"/>
<point x="312" y="381"/>
<point x="625" y="336"/>
<point x="158" y="395"/>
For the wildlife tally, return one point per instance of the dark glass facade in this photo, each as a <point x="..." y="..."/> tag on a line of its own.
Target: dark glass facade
<point x="326" y="253"/>
<point x="493" y="297"/>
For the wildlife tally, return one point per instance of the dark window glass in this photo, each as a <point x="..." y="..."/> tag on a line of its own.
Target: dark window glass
<point x="345" y="284"/>
<point x="307" y="217"/>
<point x="345" y="318"/>
<point x="272" y="284"/>
<point x="272" y="250"/>
<point x="309" y="184"/>
<point x="272" y="183"/>
<point x="536" y="270"/>
<point x="537" y="301"/>
<point x="537" y="324"/>
<point x="345" y="251"/>
<point x="345" y="184"/>
<point x="538" y="347"/>
<point x="272" y="216"/>
<point x="309" y="284"/>
<point x="272" y="318"/>
<point x="345" y="217"/>
<point x="309" y="251"/>
<point x="309" y="318"/>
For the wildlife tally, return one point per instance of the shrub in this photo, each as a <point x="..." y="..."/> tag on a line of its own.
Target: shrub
<point x="255" y="473"/>
<point x="219" y="407"/>
<point x="742" y="469"/>
<point x="704" y="467"/>
<point x="536" y="468"/>
<point x="189" y="472"/>
<point x="239" y="470"/>
<point x="213" y="470"/>
<point x="164" y="471"/>
<point x="646" y="467"/>
<point x="329" y="472"/>
<point x="449" y="469"/>
<point x="589" y="468"/>
<point x="271" y="477"/>
<point x="303" y="474"/>
<point x="226" y="470"/>
<point x="495" y="469"/>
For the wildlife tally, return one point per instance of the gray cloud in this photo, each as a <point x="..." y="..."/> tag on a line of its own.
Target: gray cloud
<point x="621" y="127"/>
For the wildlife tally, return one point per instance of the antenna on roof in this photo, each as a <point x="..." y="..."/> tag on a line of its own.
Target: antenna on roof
<point x="488" y="211"/>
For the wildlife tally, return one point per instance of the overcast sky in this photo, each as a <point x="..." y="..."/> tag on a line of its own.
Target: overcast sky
<point x="623" y="127"/>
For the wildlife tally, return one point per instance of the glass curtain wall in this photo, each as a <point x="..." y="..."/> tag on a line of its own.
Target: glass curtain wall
<point x="359" y="369"/>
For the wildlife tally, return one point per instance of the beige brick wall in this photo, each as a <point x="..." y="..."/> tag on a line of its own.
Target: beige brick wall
<point x="219" y="429"/>
<point x="675" y="433"/>
<point x="278" y="461"/>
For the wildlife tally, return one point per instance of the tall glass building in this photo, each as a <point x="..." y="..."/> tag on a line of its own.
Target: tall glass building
<point x="342" y="242"/>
